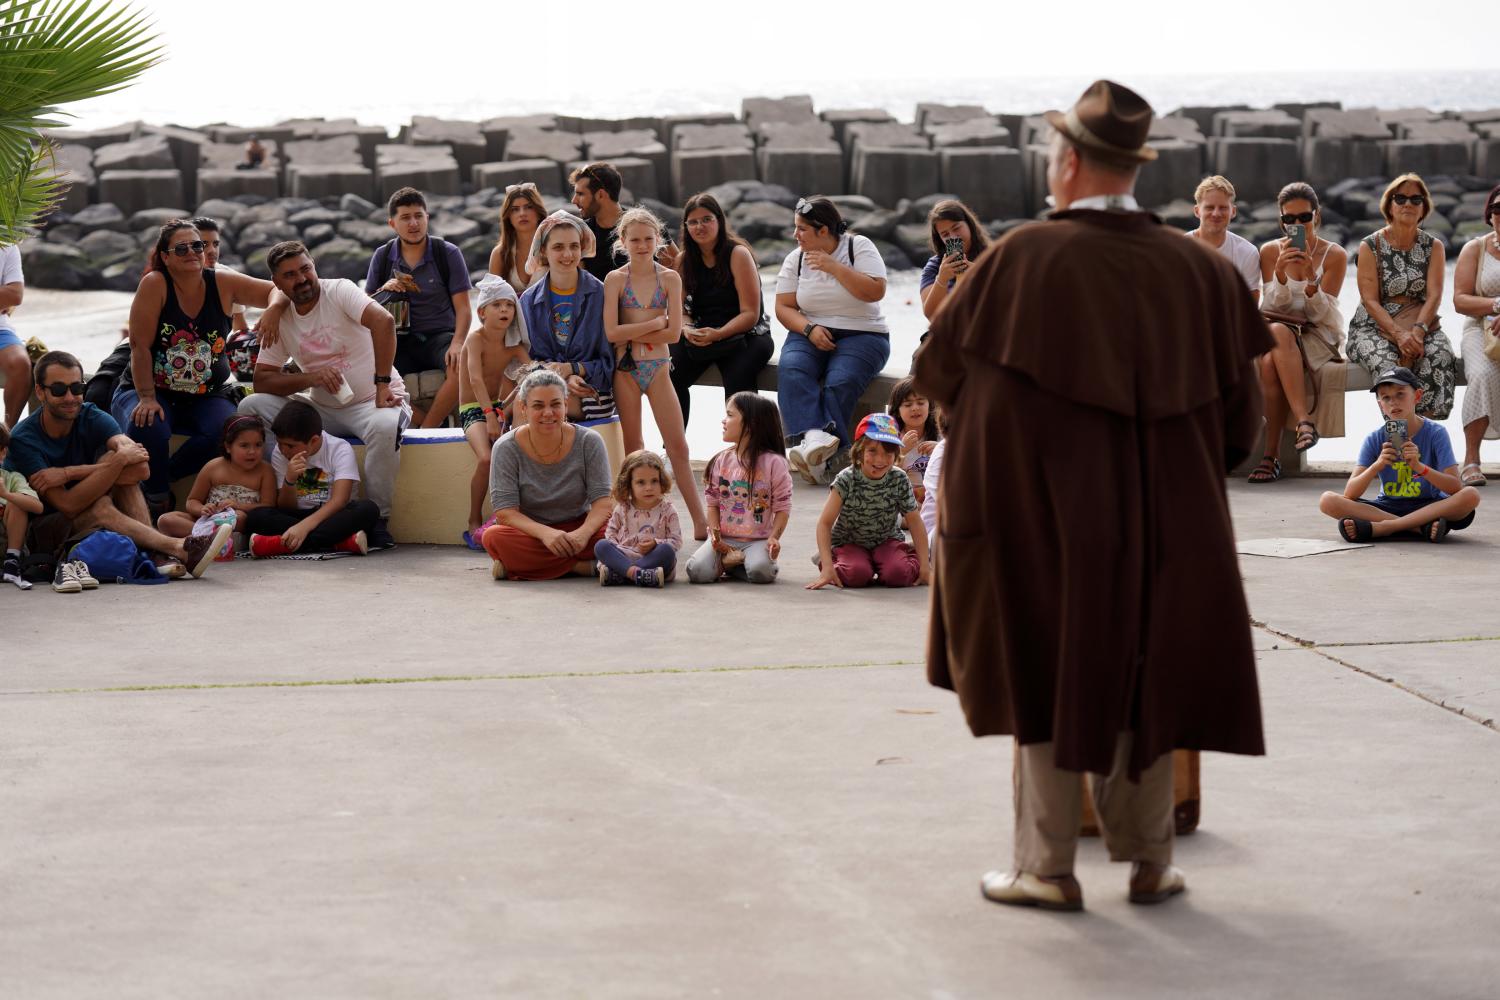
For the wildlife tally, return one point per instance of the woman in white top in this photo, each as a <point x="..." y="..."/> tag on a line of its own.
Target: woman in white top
<point x="520" y="213"/>
<point x="1301" y="382"/>
<point x="828" y="297"/>
<point x="1476" y="297"/>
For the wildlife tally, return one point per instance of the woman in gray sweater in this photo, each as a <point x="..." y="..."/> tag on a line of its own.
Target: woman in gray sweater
<point x="550" y="486"/>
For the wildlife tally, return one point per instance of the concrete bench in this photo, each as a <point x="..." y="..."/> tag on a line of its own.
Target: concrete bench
<point x="873" y="400"/>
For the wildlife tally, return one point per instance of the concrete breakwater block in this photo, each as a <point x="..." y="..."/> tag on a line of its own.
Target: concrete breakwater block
<point x="1426" y="156"/>
<point x="1184" y="129"/>
<point x="463" y="138"/>
<point x="1203" y="114"/>
<point x="535" y="144"/>
<point x="928" y="115"/>
<point x="340" y="150"/>
<point x="692" y="137"/>
<point x="793" y="108"/>
<point x="1178" y="168"/>
<point x="1257" y="125"/>
<point x="885" y="175"/>
<point x="496" y="131"/>
<point x="134" y="190"/>
<point x="842" y="118"/>
<point x="229" y="155"/>
<point x="324" y="180"/>
<point x="367" y="137"/>
<point x="638" y="144"/>
<point x="1336" y="123"/>
<point x="149" y="152"/>
<point x="1034" y="176"/>
<point x="74" y="165"/>
<point x="1328" y="160"/>
<point x="437" y="175"/>
<point x="239" y="135"/>
<point x="695" y="170"/>
<point x="1258" y="168"/>
<point x="216" y="182"/>
<point x="818" y="169"/>
<point x="811" y="133"/>
<point x="638" y="177"/>
<point x="988" y="179"/>
<point x="1486" y="153"/>
<point x="184" y="145"/>
<point x="669" y="124"/>
<point x="1445" y="129"/>
<point x="969" y="132"/>
<point x="885" y="135"/>
<point x="95" y="138"/>
<point x="547" y="175"/>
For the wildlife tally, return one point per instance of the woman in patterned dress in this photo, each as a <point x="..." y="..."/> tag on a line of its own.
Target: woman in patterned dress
<point x="1400" y="286"/>
<point x="1476" y="296"/>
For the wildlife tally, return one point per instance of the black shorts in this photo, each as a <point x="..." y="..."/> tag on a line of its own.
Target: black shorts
<point x="1401" y="506"/>
<point x="414" y="354"/>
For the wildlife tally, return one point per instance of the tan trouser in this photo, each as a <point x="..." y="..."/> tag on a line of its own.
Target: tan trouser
<point x="1134" y="818"/>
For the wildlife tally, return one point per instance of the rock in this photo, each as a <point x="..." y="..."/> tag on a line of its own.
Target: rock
<point x="878" y="224"/>
<point x="318" y="233"/>
<point x="260" y="235"/>
<point x="101" y="216"/>
<point x="771" y="253"/>
<point x="915" y="212"/>
<point x="313" y="216"/>
<point x="1179" y="213"/>
<point x="476" y="251"/>
<point x="852" y="204"/>
<point x="485" y="215"/>
<point x="750" y="190"/>
<point x="885" y="174"/>
<point x="104" y="246"/>
<point x="255" y="265"/>
<point x="760" y="220"/>
<point x="222" y="209"/>
<point x="269" y="212"/>
<point x="914" y="239"/>
<point x="547" y="175"/>
<point x="356" y="206"/>
<point x="318" y="181"/>
<point x="64" y="233"/>
<point x="697" y="170"/>
<point x="155" y="218"/>
<point x="365" y="233"/>
<point x="896" y="259"/>
<point x="453" y="228"/>
<point x="988" y="179"/>
<point x="670" y="215"/>
<point x="819" y="171"/>
<point x="341" y="258"/>
<point x="122" y="276"/>
<point x="54" y="265"/>
<point x="147" y="153"/>
<point x="250" y="200"/>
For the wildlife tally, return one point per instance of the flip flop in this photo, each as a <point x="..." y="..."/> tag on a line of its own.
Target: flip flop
<point x="1363" y="530"/>
<point x="1312" y="436"/>
<point x="1476" y="478"/>
<point x="473" y="542"/>
<point x="1436" y="531"/>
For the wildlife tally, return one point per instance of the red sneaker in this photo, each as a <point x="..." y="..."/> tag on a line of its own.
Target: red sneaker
<point x="266" y="546"/>
<point x="358" y="543"/>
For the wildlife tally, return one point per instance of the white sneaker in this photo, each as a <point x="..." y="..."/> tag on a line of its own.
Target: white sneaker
<point x="823" y="474"/>
<point x="85" y="578"/>
<point x="818" y="447"/>
<point x="65" y="580"/>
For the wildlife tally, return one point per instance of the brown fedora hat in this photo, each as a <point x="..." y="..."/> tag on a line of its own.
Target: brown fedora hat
<point x="1109" y="119"/>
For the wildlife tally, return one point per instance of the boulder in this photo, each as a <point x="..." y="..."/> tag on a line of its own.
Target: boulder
<point x="970" y="132"/>
<point x="341" y="258"/>
<point x="1174" y="173"/>
<point x="318" y="233"/>
<point x="74" y="166"/>
<point x="316" y="215"/>
<point x="467" y="143"/>
<point x="271" y="211"/>
<point x="329" y="180"/>
<point x="1426" y="157"/>
<point x="101" y="216"/>
<point x="690" y="137"/>
<point x="260" y="235"/>
<point x="217" y="183"/>
<point x="731" y="193"/>
<point x="1329" y="159"/>
<point x="988" y="179"/>
<point x="929" y="115"/>
<point x="760" y="220"/>
<point x="895" y="258"/>
<point x="696" y="170"/>
<point x="149" y="152"/>
<point x="223" y="210"/>
<point x="476" y="251"/>
<point x="670" y="216"/>
<point x="1179" y="213"/>
<point x="369" y="234"/>
<point x="818" y="170"/>
<point x="547" y="175"/>
<point x="877" y="224"/>
<point x="453" y="228"/>
<point x="794" y="108"/>
<point x="887" y="174"/>
<point x="914" y="239"/>
<point x="356" y="206"/>
<point x="155" y="218"/>
<point x="534" y="144"/>
<point x="134" y="190"/>
<point x="772" y="253"/>
<point x="122" y="275"/>
<point x="57" y="265"/>
<point x="104" y="246"/>
<point x="64" y="232"/>
<point x="1258" y="167"/>
<point x="841" y="118"/>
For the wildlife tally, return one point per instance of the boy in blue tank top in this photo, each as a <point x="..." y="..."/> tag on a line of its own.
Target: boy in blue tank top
<point x="1419" y="489"/>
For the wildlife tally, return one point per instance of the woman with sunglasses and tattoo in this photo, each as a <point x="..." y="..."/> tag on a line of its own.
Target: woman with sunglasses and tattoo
<point x="1400" y="286"/>
<point x="520" y="213"/>
<point x="178" y="373"/>
<point x="1300" y="381"/>
<point x="828" y="297"/>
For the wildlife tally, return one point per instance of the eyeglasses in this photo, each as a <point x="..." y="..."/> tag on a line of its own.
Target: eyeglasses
<point x="1415" y="199"/>
<point x="183" y="249"/>
<point x="61" y="389"/>
<point x="1303" y="217"/>
<point x="702" y="223"/>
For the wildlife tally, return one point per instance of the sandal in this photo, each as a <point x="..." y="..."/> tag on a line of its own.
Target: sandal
<point x="1306" y="439"/>
<point x="472" y="541"/>
<point x="1475" y="478"/>
<point x="1436" y="531"/>
<point x="1268" y="471"/>
<point x="1364" y="531"/>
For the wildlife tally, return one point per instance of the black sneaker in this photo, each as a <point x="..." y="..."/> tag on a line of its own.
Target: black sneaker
<point x="10" y="572"/>
<point x="380" y="536"/>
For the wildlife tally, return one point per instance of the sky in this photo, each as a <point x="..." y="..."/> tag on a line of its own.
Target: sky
<point x="386" y="60"/>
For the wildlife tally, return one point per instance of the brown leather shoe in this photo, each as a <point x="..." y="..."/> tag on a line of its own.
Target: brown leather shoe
<point x="1060" y="892"/>
<point x="1153" y="883"/>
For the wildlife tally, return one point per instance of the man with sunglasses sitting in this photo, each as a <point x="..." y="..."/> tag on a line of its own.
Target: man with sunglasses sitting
<point x="88" y="472"/>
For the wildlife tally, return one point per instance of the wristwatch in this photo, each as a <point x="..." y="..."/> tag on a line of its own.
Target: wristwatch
<point x="382" y="380"/>
<point x="807" y="330"/>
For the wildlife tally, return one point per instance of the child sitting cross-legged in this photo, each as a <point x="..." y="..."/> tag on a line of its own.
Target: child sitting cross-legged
<point x="643" y="535"/>
<point x="1415" y="479"/>
<point x="227" y="488"/>
<point x="491" y="355"/>
<point x="315" y="507"/>
<point x="859" y="532"/>
<point x="18" y="502"/>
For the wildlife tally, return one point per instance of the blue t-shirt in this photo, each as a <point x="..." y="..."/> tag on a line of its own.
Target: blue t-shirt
<point x="929" y="272"/>
<point x="432" y="308"/>
<point x="560" y="305"/>
<point x="32" y="450"/>
<point x="1400" y="481"/>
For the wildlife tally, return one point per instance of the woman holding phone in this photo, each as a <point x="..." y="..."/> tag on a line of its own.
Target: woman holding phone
<point x="1476" y="297"/>
<point x="957" y="238"/>
<point x="1400" y="286"/>
<point x="1302" y="275"/>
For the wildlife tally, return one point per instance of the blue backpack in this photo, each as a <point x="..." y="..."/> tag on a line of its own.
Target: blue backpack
<point x="111" y="556"/>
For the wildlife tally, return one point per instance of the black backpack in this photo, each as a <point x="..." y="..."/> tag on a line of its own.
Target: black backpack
<point x="101" y="385"/>
<point x="388" y="251"/>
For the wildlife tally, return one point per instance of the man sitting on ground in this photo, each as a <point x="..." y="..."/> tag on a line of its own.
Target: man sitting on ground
<point x="433" y="275"/>
<point x="344" y="343"/>
<point x="315" y="507"/>
<point x="88" y="473"/>
<point x="1213" y="204"/>
<point x="1413" y="460"/>
<point x="596" y="195"/>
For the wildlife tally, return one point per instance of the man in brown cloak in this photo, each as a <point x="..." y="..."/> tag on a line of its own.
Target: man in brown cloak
<point x="1096" y="372"/>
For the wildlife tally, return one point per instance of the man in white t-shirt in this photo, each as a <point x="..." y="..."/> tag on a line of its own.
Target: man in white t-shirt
<point x="14" y="363"/>
<point x="1213" y="204"/>
<point x="344" y="342"/>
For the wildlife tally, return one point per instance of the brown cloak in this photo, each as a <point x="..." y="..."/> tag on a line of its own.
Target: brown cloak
<point x="1096" y="371"/>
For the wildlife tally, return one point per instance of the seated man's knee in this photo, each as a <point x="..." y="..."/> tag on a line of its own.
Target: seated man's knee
<point x="134" y="474"/>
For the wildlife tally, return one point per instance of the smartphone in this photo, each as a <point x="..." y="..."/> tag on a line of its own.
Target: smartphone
<point x="953" y="247"/>
<point x="1395" y="434"/>
<point x="1298" y="233"/>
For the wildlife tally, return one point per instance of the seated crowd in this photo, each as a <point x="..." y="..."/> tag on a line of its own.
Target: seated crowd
<point x="585" y="317"/>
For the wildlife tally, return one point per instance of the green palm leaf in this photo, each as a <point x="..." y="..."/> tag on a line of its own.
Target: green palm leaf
<point x="54" y="53"/>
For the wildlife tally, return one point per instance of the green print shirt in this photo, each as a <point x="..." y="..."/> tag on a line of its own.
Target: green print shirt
<point x="873" y="508"/>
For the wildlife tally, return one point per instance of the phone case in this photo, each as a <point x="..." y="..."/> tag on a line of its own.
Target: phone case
<point x="1395" y="433"/>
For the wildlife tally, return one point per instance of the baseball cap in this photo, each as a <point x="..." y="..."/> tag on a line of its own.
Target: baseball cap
<point x="879" y="427"/>
<point x="1398" y="376"/>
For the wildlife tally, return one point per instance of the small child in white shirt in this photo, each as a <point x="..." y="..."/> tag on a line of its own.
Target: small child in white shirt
<point x="643" y="535"/>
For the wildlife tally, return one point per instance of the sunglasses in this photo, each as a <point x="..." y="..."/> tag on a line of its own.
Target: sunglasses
<point x="523" y="186"/>
<point x="183" y="249"/>
<point x="804" y="207"/>
<point x="1414" y="199"/>
<point x="61" y="389"/>
<point x="1303" y="217"/>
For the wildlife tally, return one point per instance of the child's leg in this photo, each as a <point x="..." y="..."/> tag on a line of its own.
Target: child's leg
<point x="896" y="562"/>
<point x="1384" y="523"/>
<point x="16" y="521"/>
<point x="663" y="557"/>
<point x="628" y="403"/>
<point x="853" y="565"/>
<point x="703" y="566"/>
<point x="271" y="521"/>
<point x="759" y="566"/>
<point x="615" y="558"/>
<point x="478" y="437"/>
<point x="668" y="414"/>
<point x="357" y="515"/>
<point x="176" y="524"/>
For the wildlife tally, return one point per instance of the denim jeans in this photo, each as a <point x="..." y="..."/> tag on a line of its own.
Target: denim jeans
<point x="201" y="418"/>
<point x="620" y="560"/>
<point x="818" y="389"/>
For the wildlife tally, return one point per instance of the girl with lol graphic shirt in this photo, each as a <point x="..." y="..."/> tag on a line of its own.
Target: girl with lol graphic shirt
<point x="748" y="495"/>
